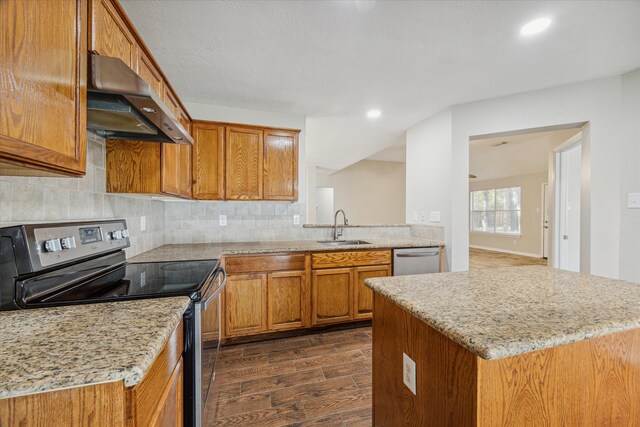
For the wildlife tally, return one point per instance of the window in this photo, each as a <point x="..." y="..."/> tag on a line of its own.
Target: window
<point x="496" y="211"/>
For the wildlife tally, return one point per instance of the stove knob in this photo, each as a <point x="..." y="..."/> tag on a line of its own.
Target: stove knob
<point x="125" y="233"/>
<point x="52" y="245"/>
<point x="68" y="242"/>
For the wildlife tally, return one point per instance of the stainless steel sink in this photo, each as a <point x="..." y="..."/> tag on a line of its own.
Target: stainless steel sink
<point x="343" y="242"/>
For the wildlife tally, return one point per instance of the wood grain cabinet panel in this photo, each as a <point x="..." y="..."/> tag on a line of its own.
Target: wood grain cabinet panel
<point x="110" y="34"/>
<point x="332" y="296"/>
<point x="245" y="304"/>
<point x="288" y="300"/>
<point x="244" y="163"/>
<point x="170" y="412"/>
<point x="280" y="165"/>
<point x="350" y="259"/>
<point x="133" y="167"/>
<point x="147" y="69"/>
<point x="363" y="296"/>
<point x="208" y="161"/>
<point x="43" y="87"/>
<point x="176" y="158"/>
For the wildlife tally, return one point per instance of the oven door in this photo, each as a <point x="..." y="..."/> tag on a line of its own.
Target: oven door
<point x="207" y="314"/>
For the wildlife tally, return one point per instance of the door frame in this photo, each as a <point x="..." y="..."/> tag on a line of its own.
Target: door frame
<point x="544" y="196"/>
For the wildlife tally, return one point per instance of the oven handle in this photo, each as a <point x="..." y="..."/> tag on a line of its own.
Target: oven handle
<point x="219" y="270"/>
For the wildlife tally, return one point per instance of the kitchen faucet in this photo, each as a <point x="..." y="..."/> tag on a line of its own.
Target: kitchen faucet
<point x="337" y="233"/>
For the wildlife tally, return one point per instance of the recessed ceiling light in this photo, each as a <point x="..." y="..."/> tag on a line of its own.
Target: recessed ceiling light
<point x="536" y="26"/>
<point x="374" y="114"/>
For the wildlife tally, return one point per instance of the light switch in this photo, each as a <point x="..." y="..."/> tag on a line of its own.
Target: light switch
<point x="143" y="223"/>
<point x="222" y="220"/>
<point x="423" y="216"/>
<point x="633" y="200"/>
<point x="434" y="216"/>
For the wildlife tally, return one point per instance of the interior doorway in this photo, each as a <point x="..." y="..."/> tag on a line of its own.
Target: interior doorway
<point x="568" y="186"/>
<point x="324" y="205"/>
<point x="546" y="221"/>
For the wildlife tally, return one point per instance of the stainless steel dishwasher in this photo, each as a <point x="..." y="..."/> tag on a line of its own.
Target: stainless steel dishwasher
<point x="416" y="261"/>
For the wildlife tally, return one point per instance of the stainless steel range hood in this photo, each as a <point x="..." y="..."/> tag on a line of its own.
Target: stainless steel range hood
<point x="121" y="105"/>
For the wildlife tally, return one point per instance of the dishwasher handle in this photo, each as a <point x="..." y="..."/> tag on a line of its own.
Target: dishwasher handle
<point x="417" y="254"/>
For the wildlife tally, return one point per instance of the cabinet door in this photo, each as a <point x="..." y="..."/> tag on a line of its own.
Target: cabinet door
<point x="148" y="71"/>
<point x="332" y="295"/>
<point x="244" y="163"/>
<point x="176" y="158"/>
<point x="208" y="162"/>
<point x="110" y="34"/>
<point x="280" y="165"/>
<point x="288" y="300"/>
<point x="43" y="94"/>
<point x="363" y="296"/>
<point x="246" y="304"/>
<point x="169" y="412"/>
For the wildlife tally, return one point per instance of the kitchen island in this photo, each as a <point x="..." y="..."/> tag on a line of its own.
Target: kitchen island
<point x="507" y="347"/>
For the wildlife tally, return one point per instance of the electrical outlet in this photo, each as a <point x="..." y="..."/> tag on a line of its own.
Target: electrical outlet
<point x="434" y="216"/>
<point x="222" y="220"/>
<point x="296" y="220"/>
<point x="409" y="373"/>
<point x="633" y="200"/>
<point x="423" y="216"/>
<point x="143" y="223"/>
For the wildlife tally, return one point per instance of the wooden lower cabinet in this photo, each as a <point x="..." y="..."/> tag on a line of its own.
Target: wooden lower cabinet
<point x="245" y="298"/>
<point x="332" y="295"/>
<point x="287" y="306"/>
<point x="340" y="295"/>
<point x="363" y="296"/>
<point x="156" y="401"/>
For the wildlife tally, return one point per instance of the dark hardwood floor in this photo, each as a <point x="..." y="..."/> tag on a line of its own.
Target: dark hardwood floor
<point x="313" y="380"/>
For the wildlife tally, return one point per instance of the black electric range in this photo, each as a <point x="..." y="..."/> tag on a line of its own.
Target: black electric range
<point x="44" y="265"/>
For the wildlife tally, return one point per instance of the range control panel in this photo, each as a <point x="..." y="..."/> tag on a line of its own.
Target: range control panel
<point x="53" y="244"/>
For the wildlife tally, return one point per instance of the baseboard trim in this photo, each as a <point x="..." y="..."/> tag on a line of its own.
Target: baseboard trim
<point x="527" y="254"/>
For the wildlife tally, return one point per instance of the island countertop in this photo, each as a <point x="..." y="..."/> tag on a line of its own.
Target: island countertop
<point x="503" y="312"/>
<point x="193" y="251"/>
<point x="54" y="348"/>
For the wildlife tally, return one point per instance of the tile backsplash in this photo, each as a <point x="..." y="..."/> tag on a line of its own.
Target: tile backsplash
<point x="36" y="199"/>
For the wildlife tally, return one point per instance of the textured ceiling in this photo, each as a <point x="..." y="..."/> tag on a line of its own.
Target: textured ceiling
<point x="334" y="60"/>
<point x="523" y="154"/>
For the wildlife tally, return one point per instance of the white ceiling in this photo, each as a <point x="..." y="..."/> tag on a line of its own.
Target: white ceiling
<point x="334" y="60"/>
<point x="522" y="155"/>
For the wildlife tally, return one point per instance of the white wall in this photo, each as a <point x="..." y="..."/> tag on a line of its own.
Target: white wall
<point x="429" y="173"/>
<point x="529" y="242"/>
<point x="598" y="102"/>
<point x="369" y="191"/>
<point x="630" y="177"/>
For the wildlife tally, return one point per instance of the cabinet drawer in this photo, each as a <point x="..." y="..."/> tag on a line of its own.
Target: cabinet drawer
<point x="350" y="259"/>
<point x="144" y="398"/>
<point x="264" y="263"/>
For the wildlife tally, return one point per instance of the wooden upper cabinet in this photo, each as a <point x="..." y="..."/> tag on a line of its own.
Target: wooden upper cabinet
<point x="147" y="69"/>
<point x="244" y="163"/>
<point x="110" y="33"/>
<point x="208" y="161"/>
<point x="43" y="87"/>
<point x="176" y="158"/>
<point x="280" y="165"/>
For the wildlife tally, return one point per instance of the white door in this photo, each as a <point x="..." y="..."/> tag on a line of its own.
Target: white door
<point x="569" y="177"/>
<point x="545" y="221"/>
<point x="324" y="205"/>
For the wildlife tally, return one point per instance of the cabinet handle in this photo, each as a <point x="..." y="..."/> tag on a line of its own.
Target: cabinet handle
<point x="418" y="254"/>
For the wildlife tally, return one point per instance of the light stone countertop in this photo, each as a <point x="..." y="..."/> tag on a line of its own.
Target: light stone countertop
<point x="497" y="313"/>
<point x="192" y="251"/>
<point x="49" y="349"/>
<point x="355" y="225"/>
